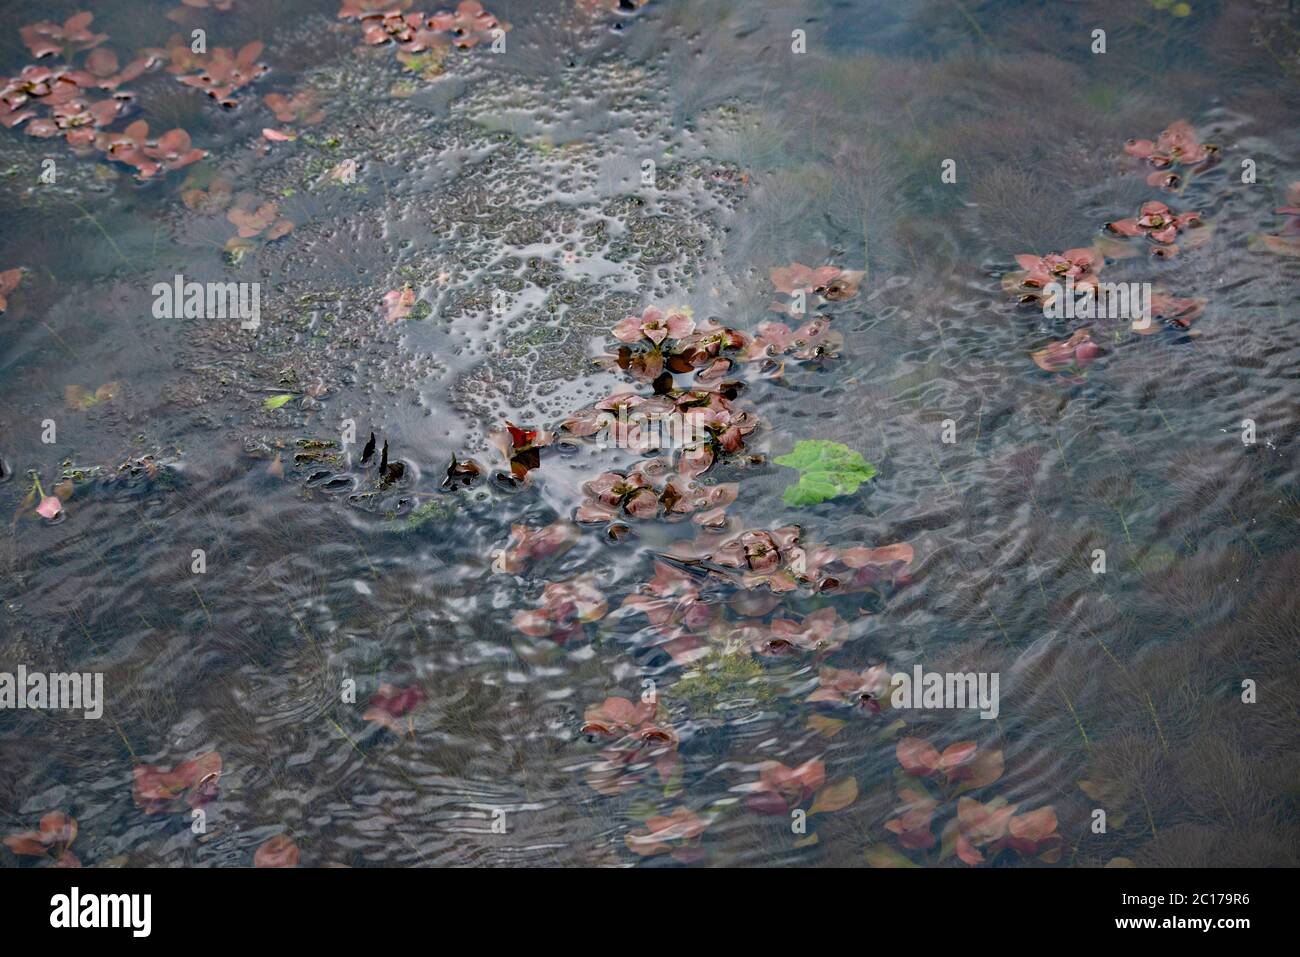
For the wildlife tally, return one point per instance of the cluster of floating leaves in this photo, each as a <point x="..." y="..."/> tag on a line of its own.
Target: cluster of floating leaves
<point x="423" y="41"/>
<point x="79" y="102"/>
<point x="9" y="280"/>
<point x="254" y="219"/>
<point x="1158" y="223"/>
<point x="695" y="583"/>
<point x="715" y="593"/>
<point x="1287" y="241"/>
<point x="190" y="784"/>
<point x="932" y="781"/>
<point x="220" y="72"/>
<point x="52" y="840"/>
<point x="1175" y="156"/>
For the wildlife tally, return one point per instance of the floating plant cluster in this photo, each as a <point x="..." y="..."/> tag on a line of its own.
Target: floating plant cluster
<point x="1175" y="156"/>
<point x="716" y="594"/>
<point x="423" y="41"/>
<point x="80" y="93"/>
<point x="79" y="97"/>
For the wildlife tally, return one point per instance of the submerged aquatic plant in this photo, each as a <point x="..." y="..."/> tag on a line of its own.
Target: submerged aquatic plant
<point x="1177" y="311"/>
<point x="299" y="107"/>
<point x="255" y="221"/>
<point x="977" y="831"/>
<point x="528" y="544"/>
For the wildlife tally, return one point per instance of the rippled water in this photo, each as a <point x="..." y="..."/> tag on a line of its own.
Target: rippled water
<point x="508" y="193"/>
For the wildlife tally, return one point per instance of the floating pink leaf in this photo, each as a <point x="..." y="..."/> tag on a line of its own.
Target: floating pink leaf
<point x="819" y="631"/>
<point x="781" y="788"/>
<point x="1177" y="146"/>
<point x="364" y="9"/>
<point x="1074" y="353"/>
<point x="265" y="219"/>
<point x="469" y="25"/>
<point x="299" y="108"/>
<point x="279" y="851"/>
<point x="913" y="822"/>
<point x="390" y="704"/>
<point x="52" y="840"/>
<point x="191" y="783"/>
<point x="46" y="39"/>
<point x="529" y="544"/>
<point x="9" y="280"/>
<point x="566" y="606"/>
<point x="868" y="690"/>
<point x="640" y="741"/>
<point x="1158" y="223"/>
<point x="676" y="833"/>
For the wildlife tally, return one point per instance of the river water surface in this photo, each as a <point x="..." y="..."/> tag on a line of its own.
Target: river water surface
<point x="366" y="668"/>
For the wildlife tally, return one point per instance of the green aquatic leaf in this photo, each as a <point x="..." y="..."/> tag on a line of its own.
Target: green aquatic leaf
<point x="275" y="401"/>
<point x="826" y="470"/>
